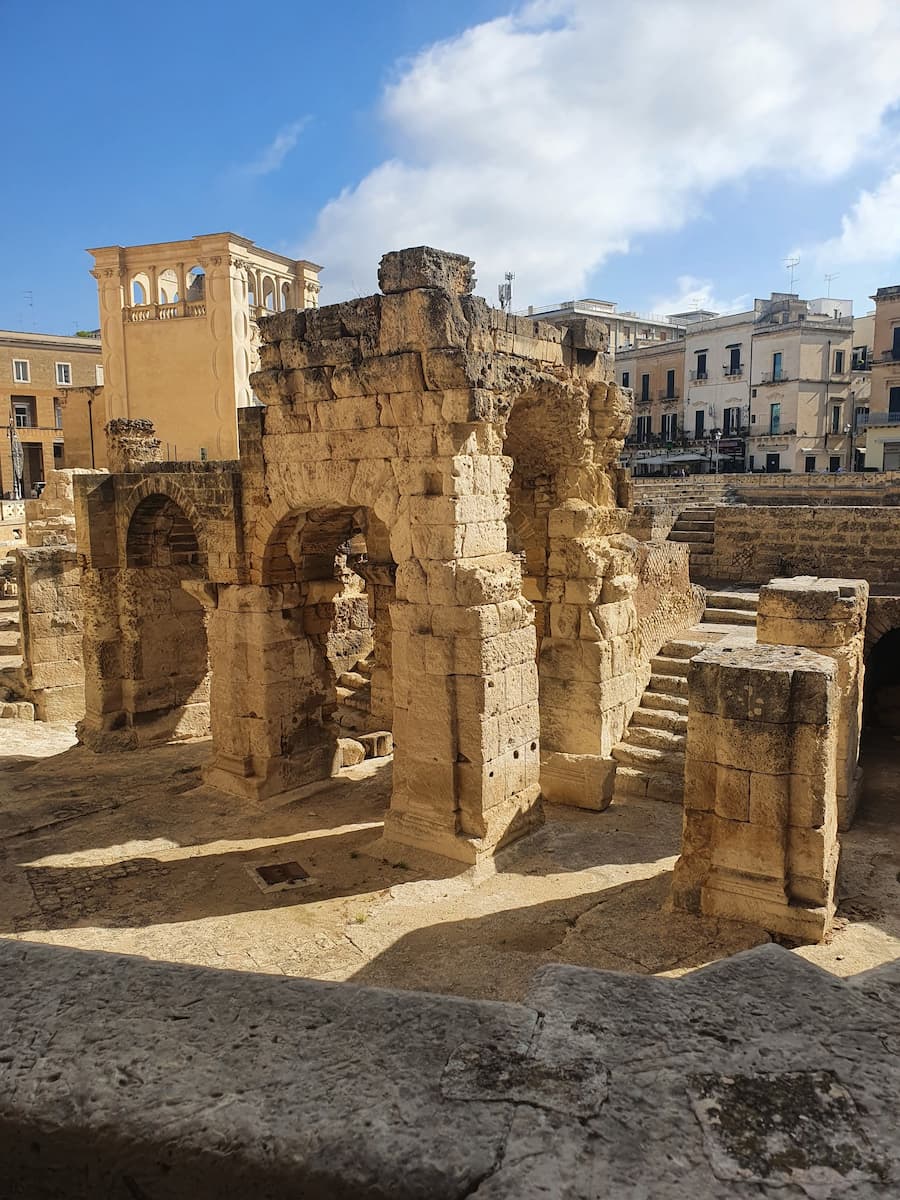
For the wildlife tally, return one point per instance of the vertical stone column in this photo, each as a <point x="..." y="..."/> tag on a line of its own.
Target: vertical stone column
<point x="828" y="616"/>
<point x="50" y="607"/>
<point x="466" y="722"/>
<point x="112" y="286"/>
<point x="271" y="693"/>
<point x="760" y="810"/>
<point x="104" y="725"/>
<point x="589" y="681"/>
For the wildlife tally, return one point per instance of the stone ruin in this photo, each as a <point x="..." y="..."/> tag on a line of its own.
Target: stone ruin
<point x="427" y="524"/>
<point x="431" y="479"/>
<point x="426" y="539"/>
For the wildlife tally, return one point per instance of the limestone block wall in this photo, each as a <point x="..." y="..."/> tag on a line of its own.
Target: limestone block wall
<point x="854" y="490"/>
<point x="51" y="613"/>
<point x="754" y="543"/>
<point x="760" y="803"/>
<point x="828" y="616"/>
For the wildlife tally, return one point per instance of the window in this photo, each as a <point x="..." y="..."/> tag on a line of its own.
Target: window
<point x="894" y="401"/>
<point x="64" y="374"/>
<point x="774" y="418"/>
<point x="773" y="462"/>
<point x="895" y="344"/>
<point x="859" y="359"/>
<point x="626" y="376"/>
<point x="57" y="414"/>
<point x="751" y="460"/>
<point x="809" y="464"/>
<point x="834" y="462"/>
<point x="776" y="366"/>
<point x="670" y="385"/>
<point x="734" y="361"/>
<point x="669" y="427"/>
<point x="859" y="415"/>
<point x="699" y="420"/>
<point x="23" y="412"/>
<point x="839" y="362"/>
<point x="731" y="420"/>
<point x="835" y="418"/>
<point x="21" y="370"/>
<point x="753" y="393"/>
<point x="645" y="387"/>
<point x="643" y="429"/>
<point x="57" y="454"/>
<point x="98" y="375"/>
<point x="701" y="365"/>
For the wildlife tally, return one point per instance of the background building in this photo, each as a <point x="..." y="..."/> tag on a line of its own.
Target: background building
<point x="180" y="340"/>
<point x="879" y="436"/>
<point x="38" y="369"/>
<point x="626" y="329"/>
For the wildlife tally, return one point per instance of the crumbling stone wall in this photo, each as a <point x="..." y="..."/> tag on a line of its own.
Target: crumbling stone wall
<point x="755" y="543"/>
<point x="51" y="618"/>
<point x="460" y="461"/>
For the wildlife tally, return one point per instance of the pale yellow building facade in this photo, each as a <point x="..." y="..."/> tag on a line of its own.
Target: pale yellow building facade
<point x="178" y="323"/>
<point x="39" y="371"/>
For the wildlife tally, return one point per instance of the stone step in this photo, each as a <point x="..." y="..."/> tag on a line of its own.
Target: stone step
<point x="679" y="535"/>
<point x="659" y="718"/>
<point x="655" y="739"/>
<point x="662" y="665"/>
<point x="729" y="616"/>
<point x="700" y="549"/>
<point x="699" y="512"/>
<point x="631" y="782"/>
<point x="742" y="600"/>
<point x="353" y="679"/>
<point x="702" y="526"/>
<point x="663" y="762"/>
<point x="682" y="648"/>
<point x="669" y="685"/>
<point x="665" y="701"/>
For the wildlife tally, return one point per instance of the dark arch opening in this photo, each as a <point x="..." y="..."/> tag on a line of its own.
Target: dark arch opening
<point x="339" y="558"/>
<point x="165" y="656"/>
<point x="160" y="535"/>
<point x="881" y="703"/>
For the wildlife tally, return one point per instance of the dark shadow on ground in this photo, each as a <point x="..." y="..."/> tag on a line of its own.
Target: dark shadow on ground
<point x="622" y="928"/>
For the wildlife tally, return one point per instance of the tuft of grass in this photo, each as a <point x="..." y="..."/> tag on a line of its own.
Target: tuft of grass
<point x="401" y="865"/>
<point x="360" y="919"/>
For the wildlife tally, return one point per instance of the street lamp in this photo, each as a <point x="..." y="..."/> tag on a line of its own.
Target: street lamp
<point x="848" y="431"/>
<point x="717" y="434"/>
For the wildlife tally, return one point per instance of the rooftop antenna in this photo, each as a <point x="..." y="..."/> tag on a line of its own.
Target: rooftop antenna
<point x="504" y="291"/>
<point x="828" y="279"/>
<point x="791" y="264"/>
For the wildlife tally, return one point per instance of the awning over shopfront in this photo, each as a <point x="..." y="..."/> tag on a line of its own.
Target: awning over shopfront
<point x="662" y="460"/>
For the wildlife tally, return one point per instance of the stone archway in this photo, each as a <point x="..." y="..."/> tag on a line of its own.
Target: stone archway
<point x="145" y="634"/>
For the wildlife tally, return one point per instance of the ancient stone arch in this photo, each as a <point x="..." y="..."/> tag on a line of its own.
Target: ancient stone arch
<point x="463" y="458"/>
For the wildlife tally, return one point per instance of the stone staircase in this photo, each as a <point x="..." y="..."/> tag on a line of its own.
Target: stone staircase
<point x="651" y="755"/>
<point x="696" y="527"/>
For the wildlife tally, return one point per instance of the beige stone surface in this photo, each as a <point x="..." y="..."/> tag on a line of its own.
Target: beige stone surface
<point x="132" y="853"/>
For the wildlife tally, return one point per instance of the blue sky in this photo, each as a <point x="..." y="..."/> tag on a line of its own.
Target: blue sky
<point x="654" y="152"/>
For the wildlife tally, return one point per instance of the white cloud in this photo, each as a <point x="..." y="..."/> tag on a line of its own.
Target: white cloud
<point x="870" y="231"/>
<point x="691" y="292"/>
<point x="272" y="156"/>
<point x="544" y="141"/>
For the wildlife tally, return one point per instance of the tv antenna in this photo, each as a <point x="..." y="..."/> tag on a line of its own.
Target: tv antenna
<point x="828" y="279"/>
<point x="791" y="264"/>
<point x="504" y="291"/>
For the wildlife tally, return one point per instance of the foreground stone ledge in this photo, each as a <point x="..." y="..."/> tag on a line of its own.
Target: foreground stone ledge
<point x="125" y="1078"/>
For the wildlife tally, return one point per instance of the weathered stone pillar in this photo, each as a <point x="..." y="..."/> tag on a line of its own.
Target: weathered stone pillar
<point x="828" y="616"/>
<point x="272" y="692"/>
<point x="466" y="722"/>
<point x="51" y="616"/>
<point x="760" y="811"/>
<point x="104" y="725"/>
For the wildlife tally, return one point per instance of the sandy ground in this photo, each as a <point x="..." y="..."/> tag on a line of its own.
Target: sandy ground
<point x="129" y="852"/>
